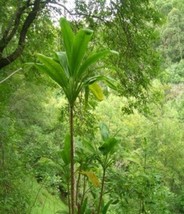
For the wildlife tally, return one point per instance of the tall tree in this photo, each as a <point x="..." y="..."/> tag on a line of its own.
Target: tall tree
<point x="73" y="71"/>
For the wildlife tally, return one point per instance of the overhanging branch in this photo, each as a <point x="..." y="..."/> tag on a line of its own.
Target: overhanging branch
<point x="34" y="7"/>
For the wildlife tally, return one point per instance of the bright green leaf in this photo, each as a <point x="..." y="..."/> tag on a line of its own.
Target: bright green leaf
<point x="53" y="69"/>
<point x="68" y="37"/>
<point x="79" y="48"/>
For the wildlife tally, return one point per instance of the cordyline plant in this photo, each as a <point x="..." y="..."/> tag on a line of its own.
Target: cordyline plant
<point x="73" y="71"/>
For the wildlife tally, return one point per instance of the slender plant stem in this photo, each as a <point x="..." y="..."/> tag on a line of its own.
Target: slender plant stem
<point x="77" y="186"/>
<point x="84" y="191"/>
<point x="101" y="192"/>
<point x="69" y="207"/>
<point x="72" y="188"/>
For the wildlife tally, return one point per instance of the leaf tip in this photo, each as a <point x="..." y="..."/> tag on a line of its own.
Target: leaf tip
<point x="114" y="52"/>
<point x="88" y="31"/>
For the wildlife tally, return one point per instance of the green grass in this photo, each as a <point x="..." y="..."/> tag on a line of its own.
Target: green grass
<point x="42" y="202"/>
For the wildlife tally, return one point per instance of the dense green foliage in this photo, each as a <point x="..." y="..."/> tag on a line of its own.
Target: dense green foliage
<point x="129" y="155"/>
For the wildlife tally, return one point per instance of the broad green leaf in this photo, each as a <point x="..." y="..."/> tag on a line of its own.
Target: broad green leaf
<point x="61" y="57"/>
<point x="104" y="131"/>
<point x="96" y="78"/>
<point x="108" y="146"/>
<point x="91" y="60"/>
<point x="53" y="69"/>
<point x="42" y="68"/>
<point x="68" y="37"/>
<point x="79" y="48"/>
<point x="110" y="82"/>
<point x="106" y="207"/>
<point x="83" y="207"/>
<point x="90" y="80"/>
<point x="65" y="154"/>
<point x="92" y="177"/>
<point x="97" y="91"/>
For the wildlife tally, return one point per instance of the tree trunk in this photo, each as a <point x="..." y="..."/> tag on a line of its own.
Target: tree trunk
<point x="72" y="170"/>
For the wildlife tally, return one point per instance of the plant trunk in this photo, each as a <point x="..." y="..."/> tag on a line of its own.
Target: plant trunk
<point x="72" y="171"/>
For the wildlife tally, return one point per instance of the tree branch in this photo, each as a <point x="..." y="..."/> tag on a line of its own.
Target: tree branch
<point x="9" y="33"/>
<point x="36" y="6"/>
<point x="10" y="75"/>
<point x="76" y="13"/>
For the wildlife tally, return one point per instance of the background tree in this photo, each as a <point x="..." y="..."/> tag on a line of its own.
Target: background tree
<point x="124" y="26"/>
<point x="172" y="39"/>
